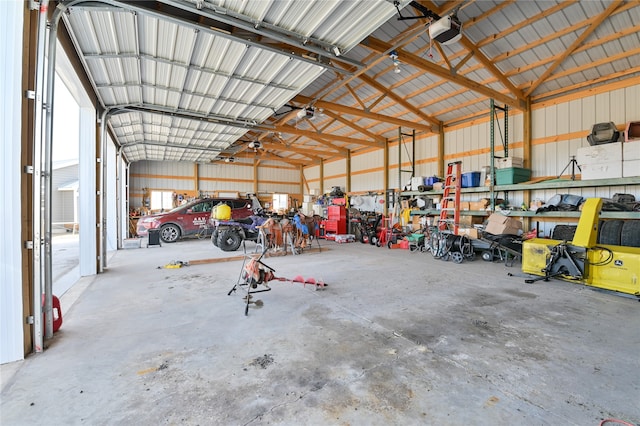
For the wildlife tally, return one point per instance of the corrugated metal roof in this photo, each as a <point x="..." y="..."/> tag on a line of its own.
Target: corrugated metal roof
<point x="189" y="75"/>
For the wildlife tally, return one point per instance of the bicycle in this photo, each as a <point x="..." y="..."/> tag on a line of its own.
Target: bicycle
<point x="204" y="231"/>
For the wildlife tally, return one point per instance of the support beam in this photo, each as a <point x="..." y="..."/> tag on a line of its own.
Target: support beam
<point x="586" y="33"/>
<point x="490" y="66"/>
<point x="256" y="163"/>
<point x="326" y="136"/>
<point x="354" y="126"/>
<point x="312" y="154"/>
<point x="321" y="177"/>
<point x="400" y="100"/>
<point x="441" y="152"/>
<point x="348" y="171"/>
<point x="427" y="66"/>
<point x="365" y="114"/>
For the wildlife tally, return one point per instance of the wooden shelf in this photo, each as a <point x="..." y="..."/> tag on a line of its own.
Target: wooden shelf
<point x="547" y="184"/>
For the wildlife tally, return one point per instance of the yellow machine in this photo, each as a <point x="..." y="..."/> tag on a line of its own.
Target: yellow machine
<point x="582" y="260"/>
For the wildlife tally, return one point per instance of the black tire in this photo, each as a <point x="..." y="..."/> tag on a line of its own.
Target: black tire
<point x="373" y="240"/>
<point x="487" y="256"/>
<point x="214" y="237"/>
<point x="630" y="233"/>
<point x="563" y="232"/>
<point x="229" y="240"/>
<point x="169" y="233"/>
<point x="610" y="232"/>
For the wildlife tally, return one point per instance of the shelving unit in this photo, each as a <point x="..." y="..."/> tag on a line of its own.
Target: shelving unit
<point x="558" y="216"/>
<point x="569" y="216"/>
<point x="547" y="184"/>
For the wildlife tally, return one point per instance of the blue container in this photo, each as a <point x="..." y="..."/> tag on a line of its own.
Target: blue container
<point x="431" y="180"/>
<point x="470" y="179"/>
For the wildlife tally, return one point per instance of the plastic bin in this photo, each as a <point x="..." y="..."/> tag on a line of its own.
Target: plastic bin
<point x="512" y="175"/>
<point x="470" y="179"/>
<point x="431" y="180"/>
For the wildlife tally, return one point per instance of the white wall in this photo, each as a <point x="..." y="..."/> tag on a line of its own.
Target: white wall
<point x="87" y="192"/>
<point x="11" y="320"/>
<point x="111" y="233"/>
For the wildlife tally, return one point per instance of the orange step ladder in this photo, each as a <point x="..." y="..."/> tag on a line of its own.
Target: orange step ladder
<point x="450" y="205"/>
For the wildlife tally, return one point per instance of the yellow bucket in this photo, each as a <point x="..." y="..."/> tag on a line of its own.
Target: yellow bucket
<point x="221" y="212"/>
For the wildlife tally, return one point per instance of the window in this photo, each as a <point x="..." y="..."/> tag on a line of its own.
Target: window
<point x="161" y="200"/>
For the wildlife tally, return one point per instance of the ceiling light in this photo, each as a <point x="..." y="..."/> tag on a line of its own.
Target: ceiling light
<point x="229" y="159"/>
<point x="255" y="144"/>
<point x="396" y="62"/>
<point x="336" y="51"/>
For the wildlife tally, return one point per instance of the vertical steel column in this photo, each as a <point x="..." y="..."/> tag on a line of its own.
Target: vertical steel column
<point x="103" y="191"/>
<point x="385" y="185"/>
<point x="39" y="182"/>
<point x="399" y="158"/>
<point x="506" y="130"/>
<point x="492" y="114"/>
<point x="119" y="209"/>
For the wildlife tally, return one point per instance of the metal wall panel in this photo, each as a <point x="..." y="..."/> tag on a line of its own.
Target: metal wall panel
<point x="111" y="231"/>
<point x="87" y="192"/>
<point x="373" y="181"/>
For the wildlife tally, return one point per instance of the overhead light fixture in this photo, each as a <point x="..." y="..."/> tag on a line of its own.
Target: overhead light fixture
<point x="446" y="30"/>
<point x="229" y="159"/>
<point x="336" y="51"/>
<point x="255" y="144"/>
<point x="396" y="62"/>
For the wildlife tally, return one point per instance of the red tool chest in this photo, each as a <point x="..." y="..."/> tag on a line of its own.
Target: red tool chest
<point x="336" y="222"/>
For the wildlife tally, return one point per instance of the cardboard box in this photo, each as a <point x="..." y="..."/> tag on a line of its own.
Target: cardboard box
<point x="469" y="221"/>
<point x="500" y="224"/>
<point x="416" y="182"/>
<point x="602" y="170"/>
<point x="437" y="186"/>
<point x="630" y="168"/>
<point x="415" y="223"/>
<point x="504" y="163"/>
<point x="477" y="205"/>
<point x="631" y="150"/>
<point x="469" y="232"/>
<point x="598" y="154"/>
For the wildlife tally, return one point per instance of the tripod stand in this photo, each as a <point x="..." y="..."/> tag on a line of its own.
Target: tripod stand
<point x="573" y="163"/>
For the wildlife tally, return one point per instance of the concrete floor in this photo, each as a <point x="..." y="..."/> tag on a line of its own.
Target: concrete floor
<point x="395" y="339"/>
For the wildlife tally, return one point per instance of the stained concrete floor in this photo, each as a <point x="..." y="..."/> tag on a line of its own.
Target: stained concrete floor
<point x="395" y="339"/>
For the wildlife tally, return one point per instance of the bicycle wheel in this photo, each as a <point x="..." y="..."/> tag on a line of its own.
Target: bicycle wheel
<point x="203" y="232"/>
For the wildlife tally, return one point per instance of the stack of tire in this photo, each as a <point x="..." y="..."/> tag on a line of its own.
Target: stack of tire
<point x="611" y="232"/>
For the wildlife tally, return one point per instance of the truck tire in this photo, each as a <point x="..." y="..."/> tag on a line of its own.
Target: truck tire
<point x="214" y="237"/>
<point x="610" y="232"/>
<point x="563" y="232"/>
<point x="630" y="233"/>
<point x="229" y="240"/>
